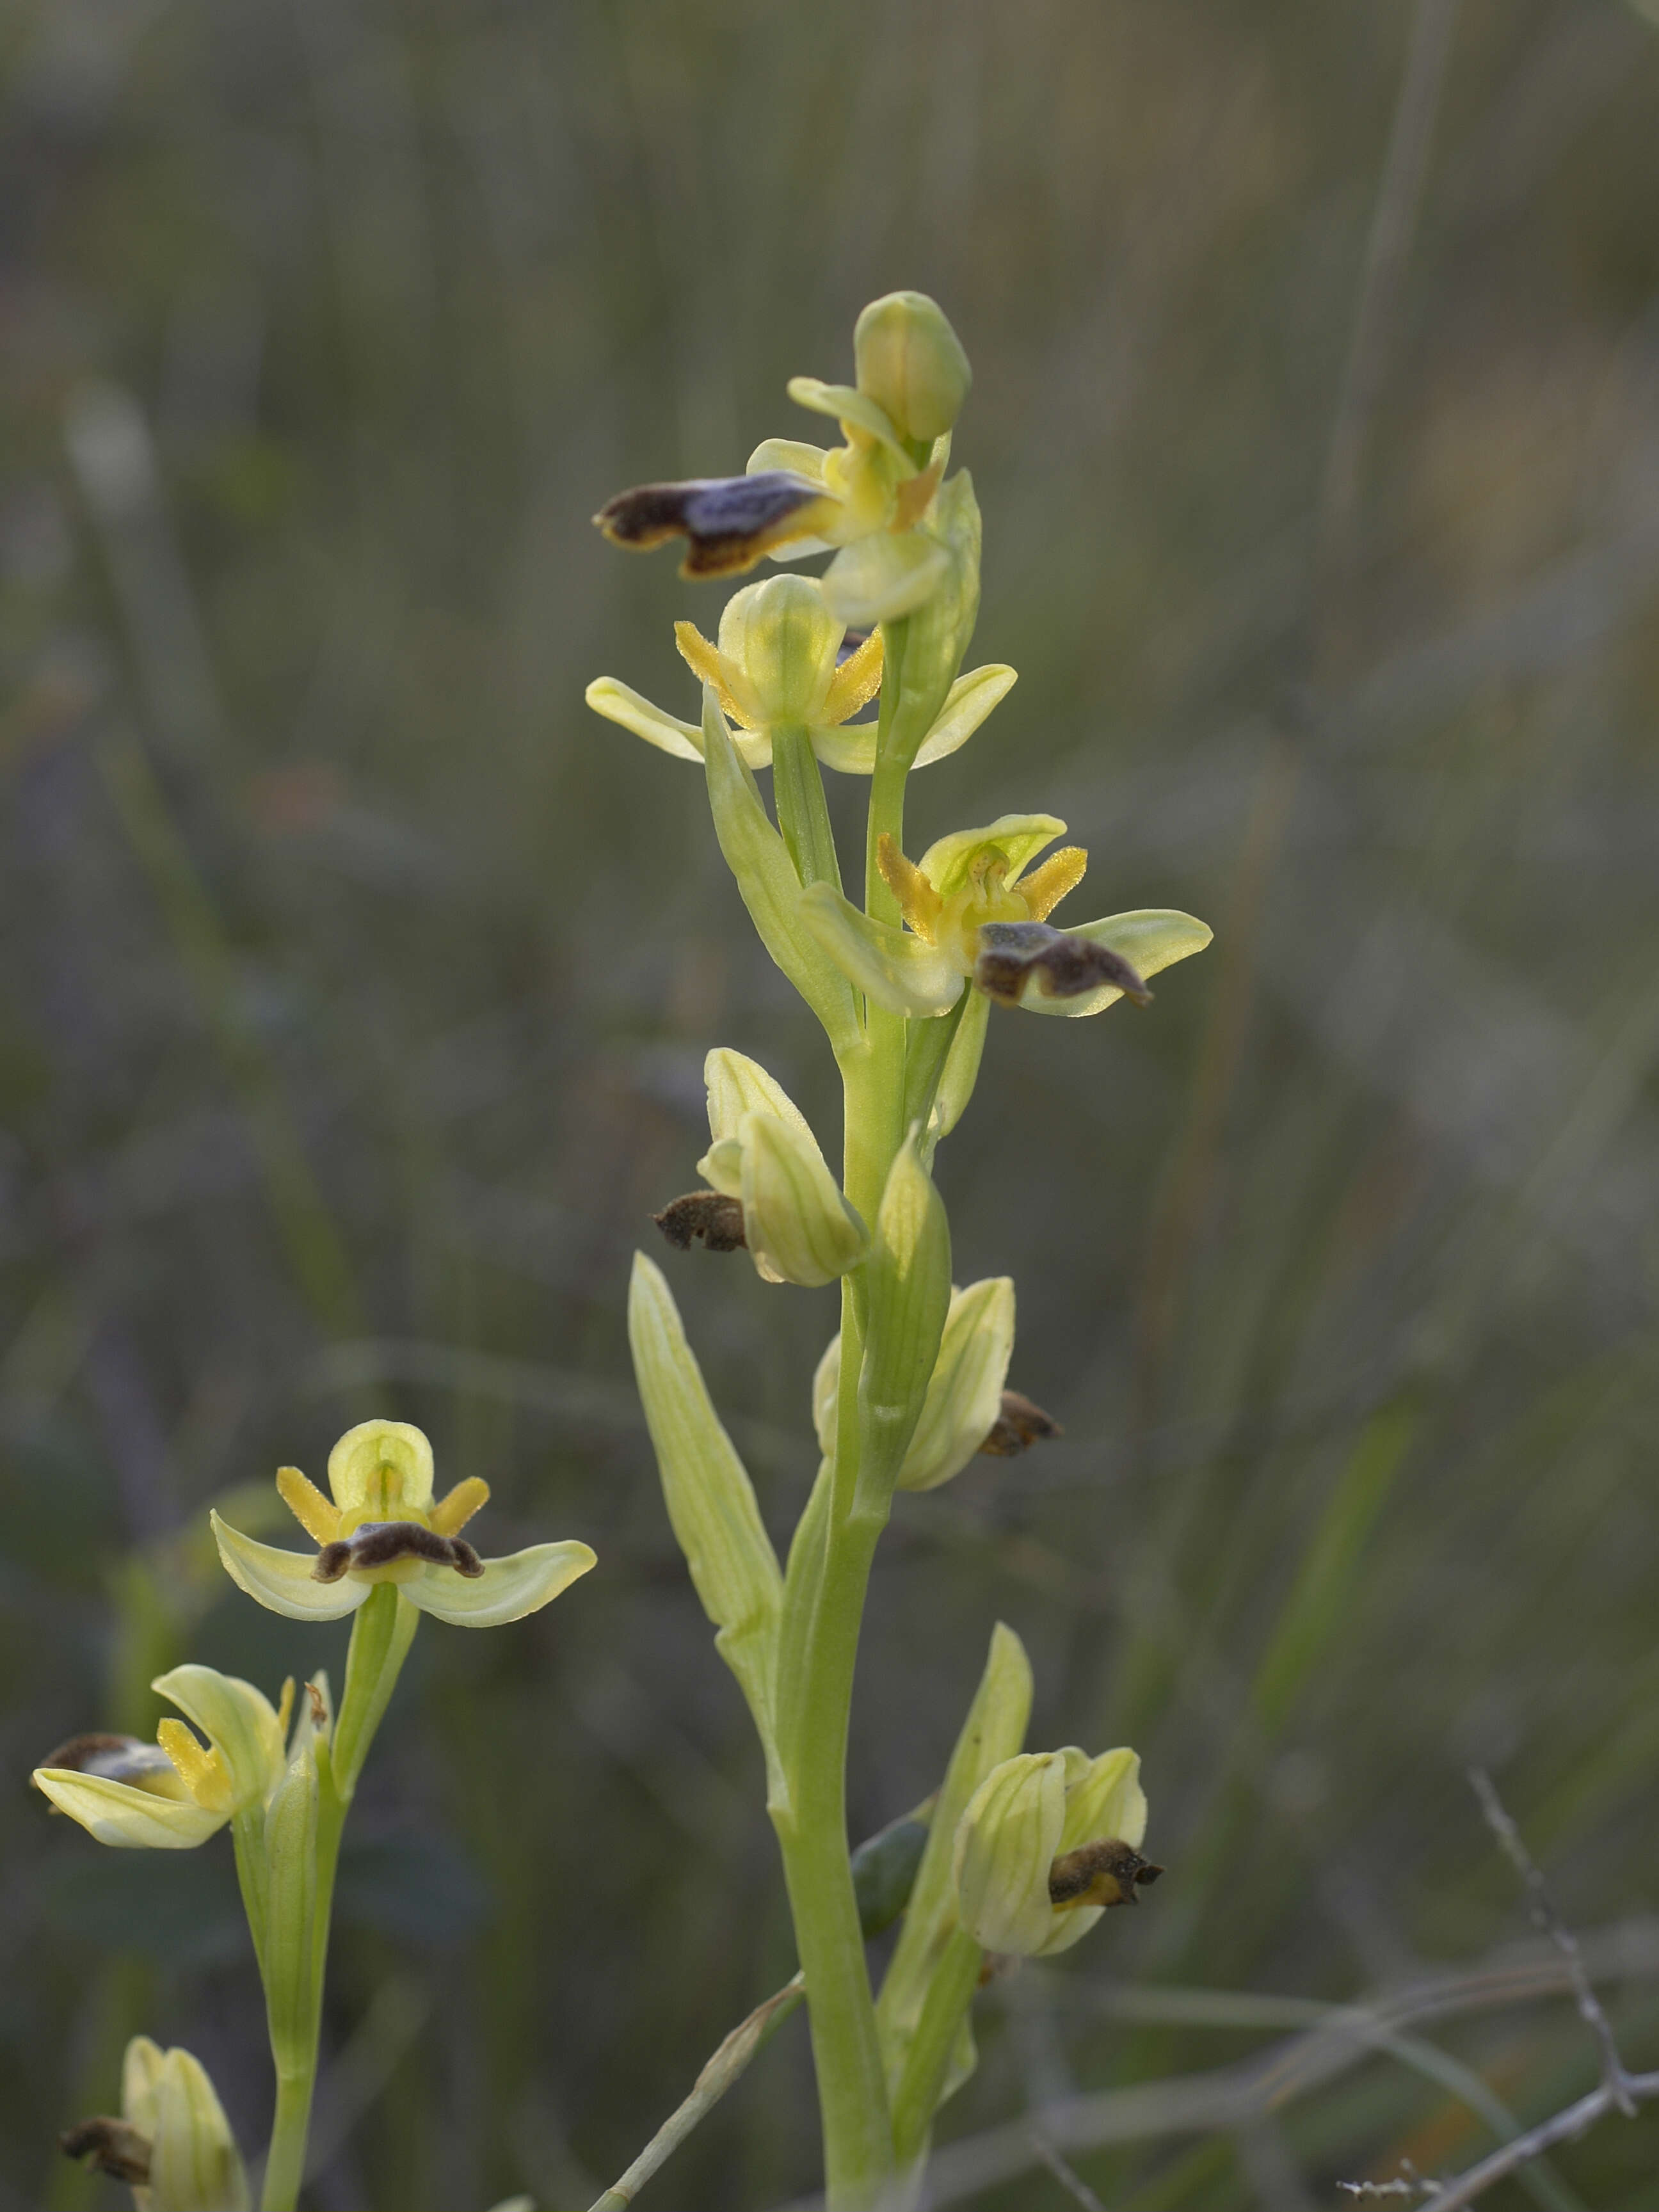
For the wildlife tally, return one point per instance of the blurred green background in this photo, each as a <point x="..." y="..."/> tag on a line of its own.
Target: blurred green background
<point x="358" y="981"/>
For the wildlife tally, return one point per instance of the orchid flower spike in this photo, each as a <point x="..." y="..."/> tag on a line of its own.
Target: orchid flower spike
<point x="977" y="911"/>
<point x="870" y="497"/>
<point x="383" y="1526"/>
<point x="174" y="1793"/>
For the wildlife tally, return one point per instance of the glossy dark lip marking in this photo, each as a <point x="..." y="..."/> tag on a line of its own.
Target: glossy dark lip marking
<point x="1020" y="1423"/>
<point x="1066" y="967"/>
<point x="1105" y="1873"/>
<point x="377" y="1543"/>
<point x="112" y="1758"/>
<point x="727" y="522"/>
<point x="705" y="1215"/>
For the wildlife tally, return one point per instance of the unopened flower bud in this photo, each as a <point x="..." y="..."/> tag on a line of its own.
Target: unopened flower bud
<point x="912" y="363"/>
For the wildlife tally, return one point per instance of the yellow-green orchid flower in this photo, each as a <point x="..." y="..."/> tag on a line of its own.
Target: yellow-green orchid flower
<point x="383" y="1526"/>
<point x="1048" y="1841"/>
<point x="174" y="1794"/>
<point x="173" y="2143"/>
<point x="978" y="912"/>
<point x="869" y="497"/>
<point x="782" y="659"/>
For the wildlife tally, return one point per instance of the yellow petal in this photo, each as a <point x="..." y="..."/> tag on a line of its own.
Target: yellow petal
<point x="856" y="682"/>
<point x="711" y="665"/>
<point x="1045" y="887"/>
<point x="918" y="900"/>
<point x="319" y="1520"/>
<point x="204" y="1771"/>
<point x="454" y="1511"/>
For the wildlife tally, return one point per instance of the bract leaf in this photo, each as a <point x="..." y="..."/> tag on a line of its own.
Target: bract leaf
<point x="968" y="702"/>
<point x="897" y="969"/>
<point x="908" y="1280"/>
<point x="882" y="576"/>
<point x="710" y="1498"/>
<point x="767" y="878"/>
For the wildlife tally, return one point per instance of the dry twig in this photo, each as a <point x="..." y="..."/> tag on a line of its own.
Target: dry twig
<point x="1548" y="1922"/>
<point x="1071" y="2181"/>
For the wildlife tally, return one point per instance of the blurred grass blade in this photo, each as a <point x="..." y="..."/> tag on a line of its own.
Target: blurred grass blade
<point x="1319" y="1597"/>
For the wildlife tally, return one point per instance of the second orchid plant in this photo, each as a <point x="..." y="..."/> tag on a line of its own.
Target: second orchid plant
<point x="282" y="1780"/>
<point x="1017" y="1852"/>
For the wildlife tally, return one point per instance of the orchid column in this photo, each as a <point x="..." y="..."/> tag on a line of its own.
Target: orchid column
<point x="902" y="983"/>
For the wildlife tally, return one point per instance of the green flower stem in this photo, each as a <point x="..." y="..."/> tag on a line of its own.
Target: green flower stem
<point x="381" y="1636"/>
<point x="927" y="2062"/>
<point x="812" y="1834"/>
<point x="858" y="2137"/>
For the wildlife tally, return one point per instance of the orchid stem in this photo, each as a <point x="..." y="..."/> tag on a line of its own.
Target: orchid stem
<point x="858" y="2143"/>
<point x="381" y="1636"/>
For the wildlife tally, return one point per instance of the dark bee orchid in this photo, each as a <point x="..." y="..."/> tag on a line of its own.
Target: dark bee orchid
<point x="871" y="498"/>
<point x="781" y="662"/>
<point x="1043" y="1822"/>
<point x="383" y="1526"/>
<point x="977" y="911"/>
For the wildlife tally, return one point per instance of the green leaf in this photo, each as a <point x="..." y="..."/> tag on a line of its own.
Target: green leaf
<point x="710" y="1498"/>
<point x="964" y="1397"/>
<point x="938" y="633"/>
<point x="993" y="1731"/>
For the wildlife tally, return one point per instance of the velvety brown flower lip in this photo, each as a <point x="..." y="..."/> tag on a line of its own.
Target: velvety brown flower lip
<point x="1020" y="1423"/>
<point x="704" y="1215"/>
<point x="377" y="1543"/>
<point x="113" y="2147"/>
<point x="727" y="522"/>
<point x="114" y="1757"/>
<point x="1105" y="1873"/>
<point x="1011" y="952"/>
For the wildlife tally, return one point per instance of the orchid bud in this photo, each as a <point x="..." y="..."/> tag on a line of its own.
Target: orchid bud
<point x="912" y="363"/>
